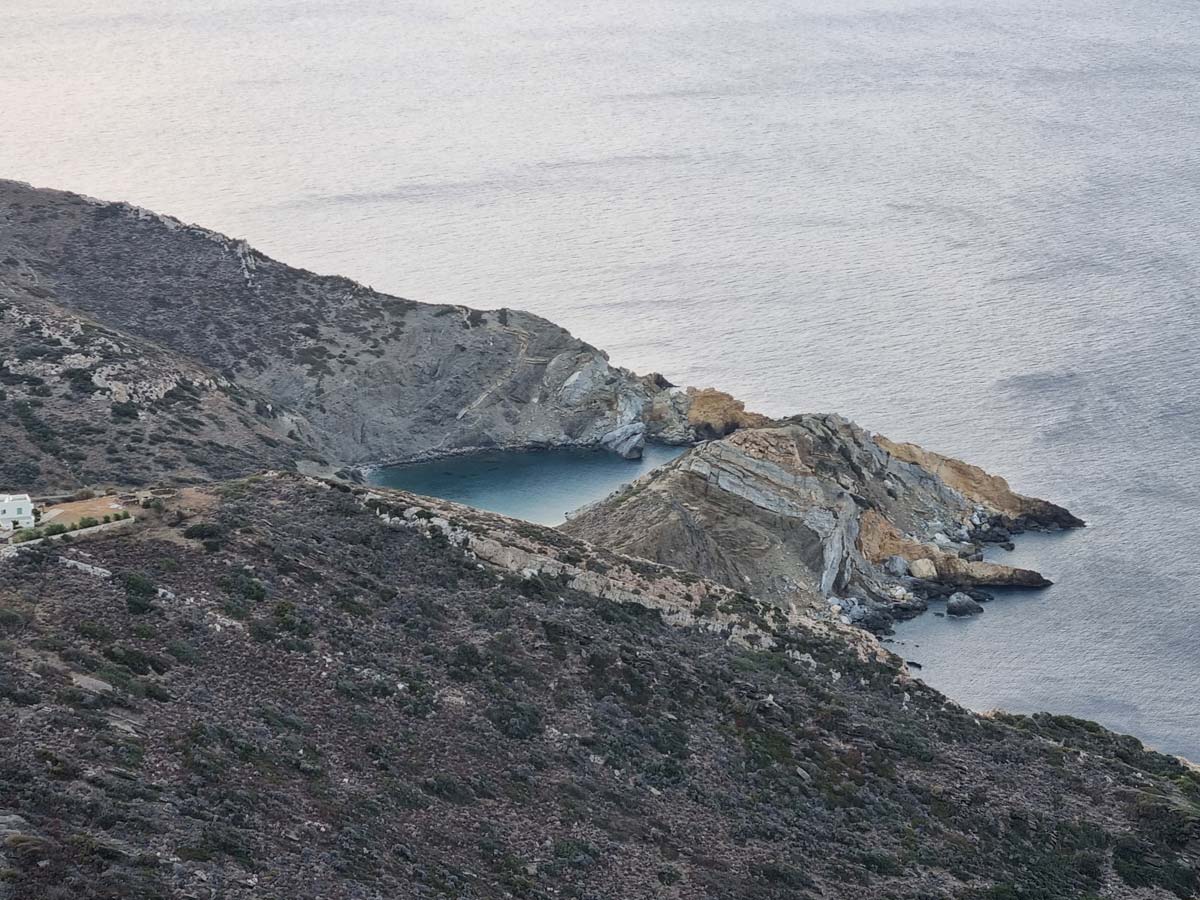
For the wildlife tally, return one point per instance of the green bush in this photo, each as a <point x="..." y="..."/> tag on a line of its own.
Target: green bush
<point x="204" y="531"/>
<point x="139" y="592"/>
<point x="182" y="651"/>
<point x="242" y="584"/>
<point x="516" y="719"/>
<point x="124" y="411"/>
<point x="95" y="631"/>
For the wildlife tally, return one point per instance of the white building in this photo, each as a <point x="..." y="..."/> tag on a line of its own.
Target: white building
<point x="16" y="511"/>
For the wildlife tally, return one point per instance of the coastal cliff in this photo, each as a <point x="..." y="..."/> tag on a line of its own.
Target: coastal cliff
<point x="279" y="685"/>
<point x="135" y="349"/>
<point x="339" y="374"/>
<point x="284" y="687"/>
<point x="816" y="507"/>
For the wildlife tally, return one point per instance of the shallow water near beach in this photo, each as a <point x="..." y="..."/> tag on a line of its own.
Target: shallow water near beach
<point x="538" y="486"/>
<point x="970" y="224"/>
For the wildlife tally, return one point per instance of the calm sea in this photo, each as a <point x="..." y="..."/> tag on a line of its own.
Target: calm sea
<point x="970" y="223"/>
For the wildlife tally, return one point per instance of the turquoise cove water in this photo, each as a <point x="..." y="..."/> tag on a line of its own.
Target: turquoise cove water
<point x="538" y="486"/>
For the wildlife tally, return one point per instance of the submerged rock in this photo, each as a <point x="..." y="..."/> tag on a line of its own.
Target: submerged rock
<point x="961" y="604"/>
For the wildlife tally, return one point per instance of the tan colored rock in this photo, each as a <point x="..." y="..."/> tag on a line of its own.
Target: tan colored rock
<point x="878" y="539"/>
<point x="923" y="568"/>
<point x="980" y="487"/>
<point x="953" y="570"/>
<point x="714" y="414"/>
<point x="802" y="508"/>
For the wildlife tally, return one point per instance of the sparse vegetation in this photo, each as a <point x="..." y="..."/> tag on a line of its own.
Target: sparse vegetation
<point x="578" y="739"/>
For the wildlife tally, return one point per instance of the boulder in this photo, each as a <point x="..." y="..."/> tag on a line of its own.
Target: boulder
<point x="922" y="568"/>
<point x="961" y="604"/>
<point x="896" y="566"/>
<point x="626" y="441"/>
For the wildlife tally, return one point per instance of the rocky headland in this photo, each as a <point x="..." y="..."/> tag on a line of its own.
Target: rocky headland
<point x="814" y="508"/>
<point x="136" y="349"/>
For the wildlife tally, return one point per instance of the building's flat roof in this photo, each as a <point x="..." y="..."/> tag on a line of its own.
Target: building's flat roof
<point x="13" y="498"/>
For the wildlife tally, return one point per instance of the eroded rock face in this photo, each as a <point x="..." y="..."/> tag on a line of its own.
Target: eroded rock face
<point x="359" y="376"/>
<point x="813" y="507"/>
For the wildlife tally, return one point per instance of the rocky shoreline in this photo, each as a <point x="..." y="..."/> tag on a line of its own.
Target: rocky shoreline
<point x="278" y="685"/>
<point x="140" y="349"/>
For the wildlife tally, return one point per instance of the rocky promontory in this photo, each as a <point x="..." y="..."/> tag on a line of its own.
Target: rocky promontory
<point x="282" y="686"/>
<point x="814" y="506"/>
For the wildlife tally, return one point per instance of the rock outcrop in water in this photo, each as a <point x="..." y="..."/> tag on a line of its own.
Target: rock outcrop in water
<point x="334" y="372"/>
<point x="814" y="506"/>
<point x="279" y="687"/>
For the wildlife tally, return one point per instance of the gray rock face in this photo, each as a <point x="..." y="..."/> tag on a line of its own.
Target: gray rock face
<point x="896" y="566"/>
<point x="628" y="441"/>
<point x="960" y="604"/>
<point x="94" y="404"/>
<point x="357" y="376"/>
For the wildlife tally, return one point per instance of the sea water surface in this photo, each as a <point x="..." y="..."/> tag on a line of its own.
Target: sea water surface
<point x="539" y="486"/>
<point x="966" y="223"/>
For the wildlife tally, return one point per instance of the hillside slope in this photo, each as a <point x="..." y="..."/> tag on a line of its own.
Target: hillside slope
<point x="81" y="403"/>
<point x="276" y="688"/>
<point x="362" y="376"/>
